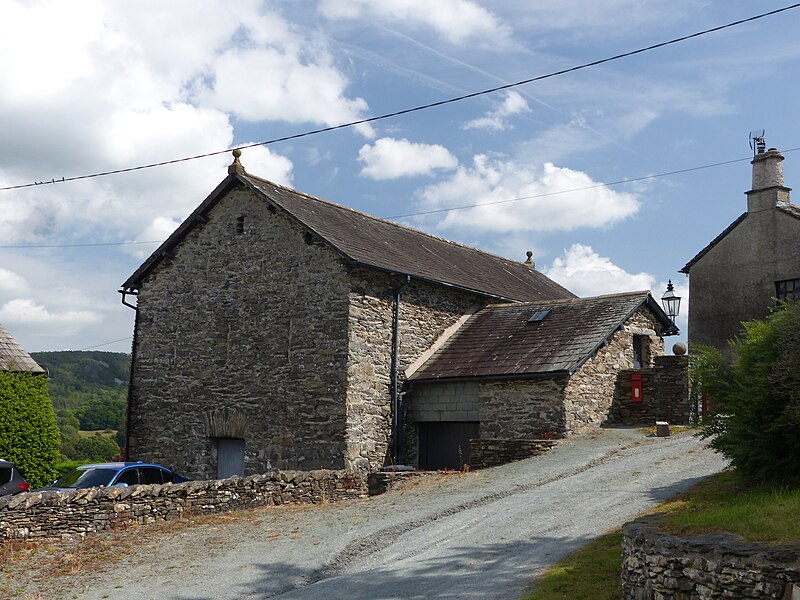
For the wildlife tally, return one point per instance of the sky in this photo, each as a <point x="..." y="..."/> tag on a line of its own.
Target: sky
<point x="94" y="86"/>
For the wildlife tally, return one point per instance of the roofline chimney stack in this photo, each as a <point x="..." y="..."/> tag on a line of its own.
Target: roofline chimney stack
<point x="768" y="189"/>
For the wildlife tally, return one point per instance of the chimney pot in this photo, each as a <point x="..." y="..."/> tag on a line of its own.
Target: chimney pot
<point x="768" y="188"/>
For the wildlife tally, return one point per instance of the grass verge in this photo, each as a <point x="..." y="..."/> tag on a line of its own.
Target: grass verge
<point x="590" y="573"/>
<point x="723" y="502"/>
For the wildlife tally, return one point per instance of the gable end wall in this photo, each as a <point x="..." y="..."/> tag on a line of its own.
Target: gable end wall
<point x="244" y="336"/>
<point x="590" y="392"/>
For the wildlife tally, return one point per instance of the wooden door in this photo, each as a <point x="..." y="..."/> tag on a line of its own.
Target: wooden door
<point x="445" y="444"/>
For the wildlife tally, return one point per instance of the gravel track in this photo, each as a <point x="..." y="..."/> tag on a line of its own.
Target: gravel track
<point x="475" y="535"/>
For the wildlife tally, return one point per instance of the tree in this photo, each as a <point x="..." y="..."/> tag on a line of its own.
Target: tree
<point x="29" y="436"/>
<point x="757" y="398"/>
<point x="97" y="447"/>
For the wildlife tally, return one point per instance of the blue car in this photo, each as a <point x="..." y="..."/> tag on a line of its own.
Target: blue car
<point x="114" y="473"/>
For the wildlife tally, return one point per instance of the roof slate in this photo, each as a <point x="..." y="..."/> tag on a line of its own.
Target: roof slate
<point x="498" y="341"/>
<point x="13" y="357"/>
<point x="380" y="244"/>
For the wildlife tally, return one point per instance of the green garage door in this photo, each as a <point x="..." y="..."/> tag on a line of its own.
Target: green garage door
<point x="445" y="444"/>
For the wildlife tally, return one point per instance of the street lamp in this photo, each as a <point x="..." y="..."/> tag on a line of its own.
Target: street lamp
<point x="671" y="302"/>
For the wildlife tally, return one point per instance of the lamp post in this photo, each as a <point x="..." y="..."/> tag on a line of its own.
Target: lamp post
<point x="671" y="302"/>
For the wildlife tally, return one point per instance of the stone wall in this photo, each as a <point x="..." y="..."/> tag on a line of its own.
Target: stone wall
<point x="624" y="410"/>
<point x="656" y="565"/>
<point x="590" y="393"/>
<point x="253" y="323"/>
<point x="671" y="382"/>
<point x="665" y="394"/>
<point x="521" y="409"/>
<point x="52" y="515"/>
<point x="491" y="453"/>
<point x="426" y="310"/>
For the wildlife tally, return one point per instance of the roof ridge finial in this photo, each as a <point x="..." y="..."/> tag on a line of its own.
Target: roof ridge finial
<point x="529" y="260"/>
<point x="236" y="167"/>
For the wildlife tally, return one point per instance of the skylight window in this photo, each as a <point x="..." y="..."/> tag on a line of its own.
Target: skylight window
<point x="539" y="315"/>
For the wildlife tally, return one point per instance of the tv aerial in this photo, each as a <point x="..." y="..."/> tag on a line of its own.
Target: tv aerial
<point x="757" y="143"/>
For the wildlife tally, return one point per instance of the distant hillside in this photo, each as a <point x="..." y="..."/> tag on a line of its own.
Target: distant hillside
<point x="86" y="370"/>
<point x="89" y="391"/>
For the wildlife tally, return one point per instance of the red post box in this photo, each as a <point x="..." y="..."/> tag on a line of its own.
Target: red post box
<point x="636" y="388"/>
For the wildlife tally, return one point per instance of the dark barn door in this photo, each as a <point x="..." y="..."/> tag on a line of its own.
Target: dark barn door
<point x="230" y="457"/>
<point x="445" y="444"/>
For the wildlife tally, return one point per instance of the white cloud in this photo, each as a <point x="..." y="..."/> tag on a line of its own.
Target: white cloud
<point x="584" y="272"/>
<point x="458" y="21"/>
<point x="496" y="120"/>
<point x="541" y="205"/>
<point x="12" y="283"/>
<point x="389" y="158"/>
<point x="103" y="86"/>
<point x="25" y="312"/>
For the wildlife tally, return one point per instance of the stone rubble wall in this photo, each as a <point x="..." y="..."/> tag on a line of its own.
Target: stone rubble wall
<point x="426" y="311"/>
<point x="253" y="324"/>
<point x="590" y="393"/>
<point x="659" y="566"/>
<point x="521" y="409"/>
<point x="76" y="513"/>
<point x="665" y="394"/>
<point x="491" y="453"/>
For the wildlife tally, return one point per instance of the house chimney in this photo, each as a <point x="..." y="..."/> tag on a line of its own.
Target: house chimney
<point x="768" y="188"/>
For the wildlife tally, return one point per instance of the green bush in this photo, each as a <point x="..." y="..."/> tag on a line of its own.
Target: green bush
<point x="757" y="398"/>
<point x="28" y="433"/>
<point x="97" y="447"/>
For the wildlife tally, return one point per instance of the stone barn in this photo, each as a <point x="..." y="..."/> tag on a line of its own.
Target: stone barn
<point x="277" y="330"/>
<point x="273" y="329"/>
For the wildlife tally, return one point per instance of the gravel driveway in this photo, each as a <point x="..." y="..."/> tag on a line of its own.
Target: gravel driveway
<point x="476" y="535"/>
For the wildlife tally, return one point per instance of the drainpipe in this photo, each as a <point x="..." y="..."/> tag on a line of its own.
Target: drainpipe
<point x="130" y="375"/>
<point x="397" y="417"/>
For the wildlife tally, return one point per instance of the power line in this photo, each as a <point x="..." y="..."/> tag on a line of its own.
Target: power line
<point x="414" y="109"/>
<point x="468" y="206"/>
<point x="106" y="344"/>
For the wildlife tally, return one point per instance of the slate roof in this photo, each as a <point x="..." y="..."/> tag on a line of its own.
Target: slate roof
<point x="380" y="244"/>
<point x="790" y="209"/>
<point x="498" y="342"/>
<point x="13" y="357"/>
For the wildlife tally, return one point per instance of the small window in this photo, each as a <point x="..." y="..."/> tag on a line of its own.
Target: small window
<point x="240" y="225"/>
<point x="638" y="351"/>
<point x="787" y="290"/>
<point x="539" y="315"/>
<point x="5" y="475"/>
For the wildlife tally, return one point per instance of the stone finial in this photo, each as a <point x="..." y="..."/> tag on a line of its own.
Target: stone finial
<point x="529" y="260"/>
<point x="236" y="168"/>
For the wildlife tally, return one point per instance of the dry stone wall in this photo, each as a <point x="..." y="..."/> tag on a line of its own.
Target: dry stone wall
<point x="55" y="515"/>
<point x="491" y="453"/>
<point x="659" y="566"/>
<point x="249" y="316"/>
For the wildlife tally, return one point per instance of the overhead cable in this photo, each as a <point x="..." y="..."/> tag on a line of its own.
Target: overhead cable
<point x="410" y="110"/>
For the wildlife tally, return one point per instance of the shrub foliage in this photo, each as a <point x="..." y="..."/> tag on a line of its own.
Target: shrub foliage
<point x="756" y="398"/>
<point x="28" y="432"/>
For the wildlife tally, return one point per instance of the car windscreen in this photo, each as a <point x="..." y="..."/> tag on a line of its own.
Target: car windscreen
<point x="83" y="478"/>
